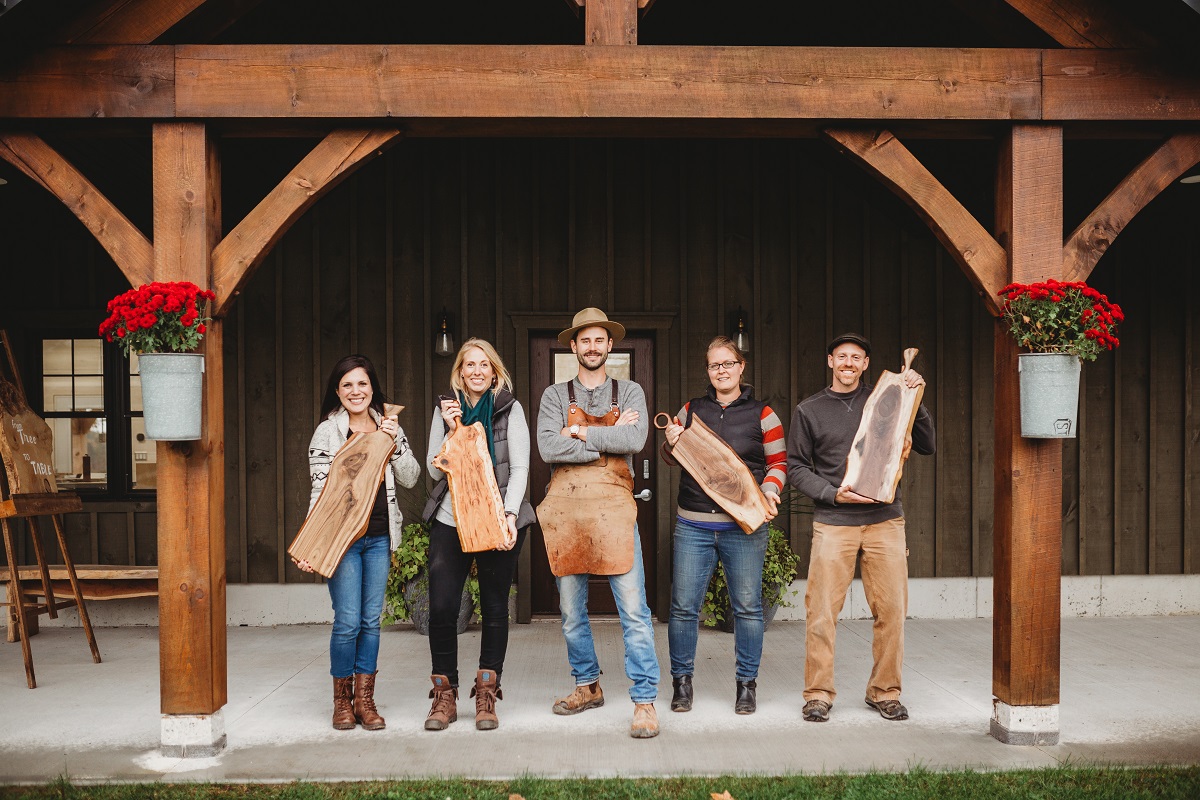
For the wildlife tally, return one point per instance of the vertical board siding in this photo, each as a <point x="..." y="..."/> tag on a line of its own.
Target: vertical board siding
<point x="798" y="237"/>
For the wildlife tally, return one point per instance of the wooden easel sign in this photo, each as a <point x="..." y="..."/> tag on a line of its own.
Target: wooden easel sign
<point x="884" y="437"/>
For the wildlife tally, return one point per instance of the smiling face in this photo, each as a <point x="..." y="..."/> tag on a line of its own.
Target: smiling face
<point x="725" y="380"/>
<point x="592" y="346"/>
<point x="848" y="362"/>
<point x="477" y="372"/>
<point x="354" y="390"/>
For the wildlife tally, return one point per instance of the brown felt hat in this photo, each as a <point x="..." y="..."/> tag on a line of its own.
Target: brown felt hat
<point x="588" y="318"/>
<point x="851" y="338"/>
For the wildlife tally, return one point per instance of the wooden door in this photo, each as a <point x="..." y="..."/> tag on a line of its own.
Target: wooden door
<point x="550" y="363"/>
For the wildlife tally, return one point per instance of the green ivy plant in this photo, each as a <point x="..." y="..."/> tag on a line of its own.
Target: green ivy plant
<point x="779" y="570"/>
<point x="409" y="562"/>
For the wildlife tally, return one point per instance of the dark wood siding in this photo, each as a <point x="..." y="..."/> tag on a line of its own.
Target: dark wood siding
<point x="801" y="240"/>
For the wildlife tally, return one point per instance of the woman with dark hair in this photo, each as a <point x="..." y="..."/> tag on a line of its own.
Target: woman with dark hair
<point x="482" y="393"/>
<point x="704" y="534"/>
<point x="353" y="403"/>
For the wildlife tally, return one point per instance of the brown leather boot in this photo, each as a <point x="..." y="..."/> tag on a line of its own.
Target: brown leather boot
<point x="445" y="704"/>
<point x="343" y="698"/>
<point x="645" y="721"/>
<point x="364" y="703"/>
<point x="583" y="698"/>
<point x="486" y="692"/>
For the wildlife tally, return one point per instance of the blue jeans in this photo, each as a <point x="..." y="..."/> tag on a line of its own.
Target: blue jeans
<point x="696" y="552"/>
<point x="357" y="588"/>
<point x="629" y="590"/>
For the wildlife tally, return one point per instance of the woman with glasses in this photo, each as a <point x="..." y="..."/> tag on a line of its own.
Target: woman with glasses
<point x="704" y="534"/>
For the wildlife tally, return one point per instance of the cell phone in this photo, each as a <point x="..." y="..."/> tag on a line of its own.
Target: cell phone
<point x="444" y="397"/>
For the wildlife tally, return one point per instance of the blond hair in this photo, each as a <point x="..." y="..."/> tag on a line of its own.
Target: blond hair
<point x="724" y="341"/>
<point x="503" y="379"/>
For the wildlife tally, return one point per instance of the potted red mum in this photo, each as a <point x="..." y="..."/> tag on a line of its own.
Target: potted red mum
<point x="163" y="323"/>
<point x="1061" y="324"/>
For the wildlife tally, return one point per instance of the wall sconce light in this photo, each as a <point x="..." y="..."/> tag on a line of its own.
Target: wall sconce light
<point x="741" y="336"/>
<point x="1191" y="177"/>
<point x="443" y="338"/>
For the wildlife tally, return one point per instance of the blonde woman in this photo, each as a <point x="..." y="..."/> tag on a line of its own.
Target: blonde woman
<point x="482" y="392"/>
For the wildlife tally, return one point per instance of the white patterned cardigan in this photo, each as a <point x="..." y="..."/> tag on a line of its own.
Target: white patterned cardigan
<point x="329" y="437"/>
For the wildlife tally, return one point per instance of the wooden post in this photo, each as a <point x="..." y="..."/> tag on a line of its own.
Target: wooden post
<point x="191" y="507"/>
<point x="1028" y="515"/>
<point x="611" y="21"/>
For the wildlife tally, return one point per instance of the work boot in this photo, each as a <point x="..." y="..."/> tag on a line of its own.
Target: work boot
<point x="365" y="712"/>
<point x="583" y="698"/>
<point x="745" y="702"/>
<point x="343" y="698"/>
<point x="645" y="721"/>
<point x="486" y="692"/>
<point x="681" y="697"/>
<point x="445" y="704"/>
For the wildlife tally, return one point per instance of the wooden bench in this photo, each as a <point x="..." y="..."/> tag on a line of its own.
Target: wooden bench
<point x="96" y="581"/>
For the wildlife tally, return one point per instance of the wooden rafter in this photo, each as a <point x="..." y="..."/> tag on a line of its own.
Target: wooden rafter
<point x="329" y="163"/>
<point x="979" y="256"/>
<point x="1092" y="238"/>
<point x="128" y="246"/>
<point x="1083" y="23"/>
<point x="610" y="22"/>
<point x="126" y="21"/>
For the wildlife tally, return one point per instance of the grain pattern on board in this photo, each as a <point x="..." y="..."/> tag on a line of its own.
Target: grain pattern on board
<point x="884" y="437"/>
<point x="721" y="474"/>
<point x="340" y="515"/>
<point x="478" y="507"/>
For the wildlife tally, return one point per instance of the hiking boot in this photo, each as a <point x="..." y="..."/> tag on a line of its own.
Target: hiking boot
<point x="486" y="692"/>
<point x="745" y="702"/>
<point x="583" y="698"/>
<point x="816" y="711"/>
<point x="343" y="699"/>
<point x="645" y="721"/>
<point x="681" y="697"/>
<point x="889" y="709"/>
<point x="364" y="703"/>
<point x="445" y="704"/>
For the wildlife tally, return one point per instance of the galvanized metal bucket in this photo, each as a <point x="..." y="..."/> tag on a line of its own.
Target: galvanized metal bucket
<point x="1049" y="395"/>
<point x="172" y="395"/>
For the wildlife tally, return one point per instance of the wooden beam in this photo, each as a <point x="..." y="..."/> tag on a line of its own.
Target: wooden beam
<point x="191" y="489"/>
<point x="1083" y="23"/>
<point x="330" y="162"/>
<point x="125" y="21"/>
<point x="1028" y="489"/>
<point x="1095" y="234"/>
<point x="91" y="82"/>
<point x="977" y="254"/>
<point x="1124" y="85"/>
<point x="127" y="245"/>
<point x="611" y="22"/>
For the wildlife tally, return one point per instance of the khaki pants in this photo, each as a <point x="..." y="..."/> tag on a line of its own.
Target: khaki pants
<point x="885" y="580"/>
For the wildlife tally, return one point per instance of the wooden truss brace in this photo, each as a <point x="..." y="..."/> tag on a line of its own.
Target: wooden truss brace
<point x="330" y="162"/>
<point x="1083" y="23"/>
<point x="1160" y="169"/>
<point x="127" y="245"/>
<point x="126" y="21"/>
<point x="976" y="252"/>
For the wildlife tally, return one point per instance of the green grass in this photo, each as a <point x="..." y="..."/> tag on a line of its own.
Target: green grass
<point x="1047" y="784"/>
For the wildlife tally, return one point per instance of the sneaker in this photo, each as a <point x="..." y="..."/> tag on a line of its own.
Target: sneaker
<point x="583" y="698"/>
<point x="816" y="711"/>
<point x="889" y="709"/>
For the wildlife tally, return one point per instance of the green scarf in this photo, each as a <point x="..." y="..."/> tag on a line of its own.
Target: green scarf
<point x="481" y="412"/>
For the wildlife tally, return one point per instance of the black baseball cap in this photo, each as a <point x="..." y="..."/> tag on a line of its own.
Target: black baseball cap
<point x="852" y="338"/>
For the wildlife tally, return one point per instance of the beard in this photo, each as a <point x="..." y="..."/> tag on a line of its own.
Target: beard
<point x="591" y="367"/>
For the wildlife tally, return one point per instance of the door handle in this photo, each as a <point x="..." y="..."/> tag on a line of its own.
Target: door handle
<point x="644" y="494"/>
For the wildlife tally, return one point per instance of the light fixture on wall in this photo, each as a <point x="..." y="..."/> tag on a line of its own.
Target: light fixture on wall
<point x="443" y="338"/>
<point x="2" y="181"/>
<point x="741" y="336"/>
<point x="1191" y="177"/>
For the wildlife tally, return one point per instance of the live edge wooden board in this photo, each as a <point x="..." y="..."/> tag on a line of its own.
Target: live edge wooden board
<point x="474" y="493"/>
<point x="884" y="437"/>
<point x="721" y="474"/>
<point x="340" y="515"/>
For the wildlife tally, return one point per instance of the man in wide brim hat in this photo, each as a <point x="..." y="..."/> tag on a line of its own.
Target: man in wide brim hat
<point x="588" y="318"/>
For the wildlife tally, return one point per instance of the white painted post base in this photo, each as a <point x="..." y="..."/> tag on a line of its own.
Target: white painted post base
<point x="1027" y="725"/>
<point x="193" y="735"/>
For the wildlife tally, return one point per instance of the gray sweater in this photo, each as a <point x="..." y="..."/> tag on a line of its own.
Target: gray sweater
<point x="823" y="428"/>
<point x="621" y="439"/>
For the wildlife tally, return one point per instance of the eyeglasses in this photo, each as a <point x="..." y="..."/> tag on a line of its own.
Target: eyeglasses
<point x="726" y="365"/>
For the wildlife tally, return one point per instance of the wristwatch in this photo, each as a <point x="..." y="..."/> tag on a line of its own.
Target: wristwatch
<point x="574" y="431"/>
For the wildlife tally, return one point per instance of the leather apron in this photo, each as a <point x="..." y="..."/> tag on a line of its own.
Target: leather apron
<point x="589" y="514"/>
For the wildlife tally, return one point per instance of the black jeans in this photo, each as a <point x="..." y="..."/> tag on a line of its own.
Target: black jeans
<point x="448" y="569"/>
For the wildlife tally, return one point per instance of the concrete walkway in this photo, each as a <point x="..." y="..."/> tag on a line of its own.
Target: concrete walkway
<point x="1129" y="696"/>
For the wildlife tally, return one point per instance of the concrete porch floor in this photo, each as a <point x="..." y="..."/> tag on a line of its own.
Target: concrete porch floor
<point x="1129" y="696"/>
